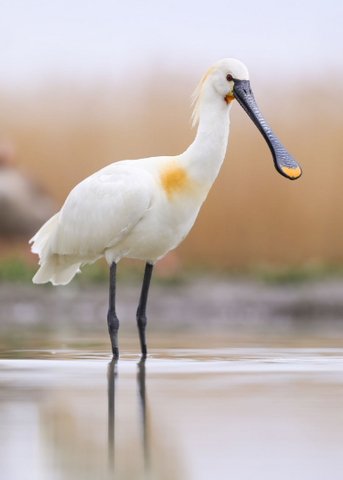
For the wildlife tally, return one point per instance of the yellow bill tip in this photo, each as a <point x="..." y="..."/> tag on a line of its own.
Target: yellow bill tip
<point x="292" y="173"/>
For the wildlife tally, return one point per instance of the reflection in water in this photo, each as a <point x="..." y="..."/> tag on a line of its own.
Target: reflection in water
<point x="243" y="413"/>
<point x="142" y="403"/>
<point x="112" y="374"/>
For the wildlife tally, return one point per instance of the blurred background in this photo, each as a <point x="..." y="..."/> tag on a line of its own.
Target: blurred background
<point x="245" y="329"/>
<point x="84" y="84"/>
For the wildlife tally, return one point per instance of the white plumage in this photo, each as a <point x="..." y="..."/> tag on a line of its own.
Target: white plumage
<point x="144" y="208"/>
<point x="140" y="208"/>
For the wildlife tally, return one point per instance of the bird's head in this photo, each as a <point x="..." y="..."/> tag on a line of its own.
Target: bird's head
<point x="228" y="80"/>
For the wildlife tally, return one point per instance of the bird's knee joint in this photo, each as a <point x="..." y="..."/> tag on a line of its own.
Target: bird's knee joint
<point x="142" y="321"/>
<point x="113" y="322"/>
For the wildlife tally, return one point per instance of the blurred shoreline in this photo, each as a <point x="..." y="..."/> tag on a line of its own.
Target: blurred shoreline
<point x="204" y="312"/>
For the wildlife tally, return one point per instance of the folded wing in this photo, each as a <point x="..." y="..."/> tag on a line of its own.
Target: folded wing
<point x="102" y="210"/>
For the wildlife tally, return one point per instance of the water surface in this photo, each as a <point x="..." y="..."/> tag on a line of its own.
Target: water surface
<point x="244" y="413"/>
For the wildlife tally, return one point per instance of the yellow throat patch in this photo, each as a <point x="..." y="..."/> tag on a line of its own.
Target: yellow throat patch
<point x="173" y="179"/>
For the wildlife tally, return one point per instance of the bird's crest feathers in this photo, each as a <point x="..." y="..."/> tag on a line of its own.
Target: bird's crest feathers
<point x="196" y="98"/>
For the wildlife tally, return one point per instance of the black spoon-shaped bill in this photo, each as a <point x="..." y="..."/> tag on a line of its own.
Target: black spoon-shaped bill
<point x="283" y="161"/>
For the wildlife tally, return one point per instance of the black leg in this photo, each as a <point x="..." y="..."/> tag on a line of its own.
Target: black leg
<point x="141" y="310"/>
<point x="112" y="319"/>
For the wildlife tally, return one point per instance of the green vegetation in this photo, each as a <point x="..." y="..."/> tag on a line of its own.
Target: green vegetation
<point x="16" y="270"/>
<point x="295" y="274"/>
<point x="281" y="274"/>
<point x="19" y="271"/>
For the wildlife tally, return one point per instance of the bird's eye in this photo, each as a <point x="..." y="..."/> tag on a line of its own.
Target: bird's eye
<point x="229" y="77"/>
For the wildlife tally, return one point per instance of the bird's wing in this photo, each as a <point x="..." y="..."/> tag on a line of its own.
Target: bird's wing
<point x="102" y="210"/>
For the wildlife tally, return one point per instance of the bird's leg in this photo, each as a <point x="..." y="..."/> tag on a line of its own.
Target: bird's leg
<point x="141" y="310"/>
<point x="112" y="319"/>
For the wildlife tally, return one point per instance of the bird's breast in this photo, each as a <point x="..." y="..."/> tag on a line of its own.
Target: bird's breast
<point x="174" y="179"/>
<point x="176" y="182"/>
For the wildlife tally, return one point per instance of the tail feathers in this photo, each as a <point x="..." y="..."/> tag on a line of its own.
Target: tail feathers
<point x="41" y="238"/>
<point x="52" y="271"/>
<point x="64" y="275"/>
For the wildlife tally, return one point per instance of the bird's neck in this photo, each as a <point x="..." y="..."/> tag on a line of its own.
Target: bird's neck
<point x="205" y="155"/>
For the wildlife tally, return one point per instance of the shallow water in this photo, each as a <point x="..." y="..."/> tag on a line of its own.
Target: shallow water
<point x="273" y="413"/>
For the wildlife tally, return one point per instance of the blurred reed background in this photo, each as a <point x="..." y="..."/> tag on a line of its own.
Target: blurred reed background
<point x="252" y="216"/>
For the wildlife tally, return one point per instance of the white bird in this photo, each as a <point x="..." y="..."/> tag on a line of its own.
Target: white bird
<point x="144" y="208"/>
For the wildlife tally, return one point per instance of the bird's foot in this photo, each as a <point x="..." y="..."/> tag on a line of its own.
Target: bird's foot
<point x="115" y="352"/>
<point x="144" y="352"/>
<point x="141" y="324"/>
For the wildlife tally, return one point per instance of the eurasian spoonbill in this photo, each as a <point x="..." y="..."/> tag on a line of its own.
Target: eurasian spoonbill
<point x="144" y="208"/>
